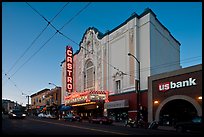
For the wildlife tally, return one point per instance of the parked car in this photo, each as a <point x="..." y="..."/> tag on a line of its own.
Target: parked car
<point x="41" y="115"/>
<point x="72" y="117"/>
<point x="16" y="113"/>
<point x="193" y="125"/>
<point x="101" y="120"/>
<point x="50" y="116"/>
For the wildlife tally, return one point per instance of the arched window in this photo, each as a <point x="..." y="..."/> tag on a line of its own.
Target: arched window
<point x="89" y="75"/>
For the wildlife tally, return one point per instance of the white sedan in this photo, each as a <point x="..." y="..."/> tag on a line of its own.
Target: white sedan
<point x="42" y="115"/>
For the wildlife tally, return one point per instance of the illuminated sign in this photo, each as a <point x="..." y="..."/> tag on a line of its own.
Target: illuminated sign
<point x="86" y="96"/>
<point x="172" y="85"/>
<point x="69" y="69"/>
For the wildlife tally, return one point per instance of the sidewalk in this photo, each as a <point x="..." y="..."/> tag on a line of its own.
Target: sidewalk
<point x="118" y="123"/>
<point x="169" y="128"/>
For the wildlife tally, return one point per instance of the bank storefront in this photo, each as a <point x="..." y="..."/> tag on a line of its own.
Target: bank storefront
<point x="175" y="96"/>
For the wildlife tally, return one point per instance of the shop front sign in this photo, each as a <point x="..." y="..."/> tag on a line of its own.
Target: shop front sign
<point x="173" y="85"/>
<point x="116" y="104"/>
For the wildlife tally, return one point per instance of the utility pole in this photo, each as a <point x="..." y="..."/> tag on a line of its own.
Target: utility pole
<point x="27" y="96"/>
<point x="28" y="102"/>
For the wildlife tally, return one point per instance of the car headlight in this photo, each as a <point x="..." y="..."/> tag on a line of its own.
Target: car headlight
<point x="14" y="115"/>
<point x="23" y="115"/>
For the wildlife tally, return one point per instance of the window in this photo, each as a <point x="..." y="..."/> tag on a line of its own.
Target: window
<point x="118" y="88"/>
<point x="89" y="75"/>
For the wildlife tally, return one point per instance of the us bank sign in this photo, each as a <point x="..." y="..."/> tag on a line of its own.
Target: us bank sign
<point x="173" y="85"/>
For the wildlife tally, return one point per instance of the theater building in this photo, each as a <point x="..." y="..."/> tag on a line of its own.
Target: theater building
<point x="176" y="95"/>
<point x="101" y="76"/>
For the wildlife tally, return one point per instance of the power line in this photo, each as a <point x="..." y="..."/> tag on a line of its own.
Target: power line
<point x="141" y="70"/>
<point x="9" y="78"/>
<point x="59" y="11"/>
<point x="75" y="16"/>
<point x="165" y="65"/>
<point x="38" y="34"/>
<point x="28" y="48"/>
<point x="57" y="31"/>
<point x="168" y="64"/>
<point x="157" y="67"/>
<point x="37" y="11"/>
<point x="33" y="54"/>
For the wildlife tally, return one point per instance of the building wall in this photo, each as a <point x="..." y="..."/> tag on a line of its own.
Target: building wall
<point x="164" y="45"/>
<point x="39" y="98"/>
<point x="143" y="36"/>
<point x="131" y="97"/>
<point x="56" y="94"/>
<point x="8" y="105"/>
<point x="144" y="50"/>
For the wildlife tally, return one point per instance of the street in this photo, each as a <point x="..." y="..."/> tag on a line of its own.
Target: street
<point x="42" y="126"/>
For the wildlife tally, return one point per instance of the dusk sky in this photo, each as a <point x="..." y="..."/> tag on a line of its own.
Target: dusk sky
<point x="31" y="71"/>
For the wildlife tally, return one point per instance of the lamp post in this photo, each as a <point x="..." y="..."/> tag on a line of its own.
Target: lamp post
<point x="52" y="84"/>
<point x="138" y="87"/>
<point x="27" y="96"/>
<point x="56" y="101"/>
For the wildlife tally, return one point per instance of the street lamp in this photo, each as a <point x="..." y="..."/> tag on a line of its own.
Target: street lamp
<point x="52" y="84"/>
<point x="138" y="89"/>
<point x="56" y="89"/>
<point x="27" y="96"/>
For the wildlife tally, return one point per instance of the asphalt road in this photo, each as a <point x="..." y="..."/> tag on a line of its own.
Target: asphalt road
<point x="42" y="126"/>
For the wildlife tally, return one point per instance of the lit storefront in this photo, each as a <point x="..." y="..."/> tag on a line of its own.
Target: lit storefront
<point x="124" y="105"/>
<point x="175" y="96"/>
<point x="87" y="103"/>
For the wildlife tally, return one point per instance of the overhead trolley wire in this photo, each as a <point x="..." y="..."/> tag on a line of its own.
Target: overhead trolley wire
<point x="48" y="23"/>
<point x="57" y="31"/>
<point x="38" y="34"/>
<point x="33" y="54"/>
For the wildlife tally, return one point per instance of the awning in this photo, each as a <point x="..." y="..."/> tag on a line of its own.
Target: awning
<point x="65" y="108"/>
<point x="116" y="104"/>
<point x="41" y="107"/>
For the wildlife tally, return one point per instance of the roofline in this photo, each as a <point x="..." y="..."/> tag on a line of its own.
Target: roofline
<point x="181" y="71"/>
<point x="39" y="92"/>
<point x="133" y="15"/>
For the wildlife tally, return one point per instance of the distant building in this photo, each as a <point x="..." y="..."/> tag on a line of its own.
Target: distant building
<point x="45" y="100"/>
<point x="7" y="105"/>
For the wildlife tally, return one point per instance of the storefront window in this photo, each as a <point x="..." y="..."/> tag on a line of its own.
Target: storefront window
<point x="118" y="115"/>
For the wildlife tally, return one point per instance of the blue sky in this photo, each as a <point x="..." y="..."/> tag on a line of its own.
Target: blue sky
<point x="21" y="25"/>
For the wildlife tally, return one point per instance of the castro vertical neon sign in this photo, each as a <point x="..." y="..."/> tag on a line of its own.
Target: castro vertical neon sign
<point x="69" y="69"/>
